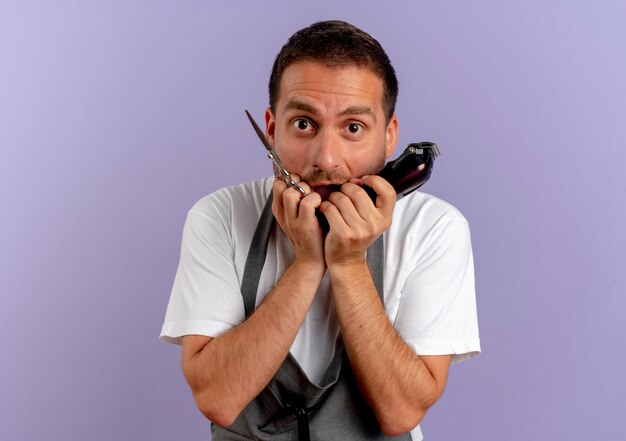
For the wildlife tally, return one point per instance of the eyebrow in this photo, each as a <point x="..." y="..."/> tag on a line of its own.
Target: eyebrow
<point x="359" y="110"/>
<point x="300" y="105"/>
<point x="352" y="110"/>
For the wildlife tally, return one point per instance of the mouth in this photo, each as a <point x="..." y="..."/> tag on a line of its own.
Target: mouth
<point x="325" y="190"/>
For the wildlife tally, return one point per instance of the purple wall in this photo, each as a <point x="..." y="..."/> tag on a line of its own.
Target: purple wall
<point x="115" y="117"/>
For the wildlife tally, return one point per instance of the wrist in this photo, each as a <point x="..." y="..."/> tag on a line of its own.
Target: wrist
<point x="309" y="267"/>
<point x="354" y="267"/>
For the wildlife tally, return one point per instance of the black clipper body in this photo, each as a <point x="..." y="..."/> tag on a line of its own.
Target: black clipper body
<point x="412" y="168"/>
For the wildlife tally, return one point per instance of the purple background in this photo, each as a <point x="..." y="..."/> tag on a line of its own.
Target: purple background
<point x="116" y="116"/>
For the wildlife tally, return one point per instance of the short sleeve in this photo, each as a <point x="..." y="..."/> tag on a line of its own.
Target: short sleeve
<point x="437" y="313"/>
<point x="206" y="297"/>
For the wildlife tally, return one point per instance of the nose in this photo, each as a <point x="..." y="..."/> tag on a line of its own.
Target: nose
<point x="326" y="151"/>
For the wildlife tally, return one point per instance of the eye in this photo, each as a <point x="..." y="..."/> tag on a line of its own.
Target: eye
<point x="354" y="128"/>
<point x="303" y="125"/>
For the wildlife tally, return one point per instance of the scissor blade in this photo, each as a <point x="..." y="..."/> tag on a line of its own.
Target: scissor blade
<point x="270" y="154"/>
<point x="259" y="132"/>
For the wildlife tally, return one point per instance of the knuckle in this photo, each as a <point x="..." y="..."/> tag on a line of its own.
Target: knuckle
<point x="279" y="185"/>
<point x="311" y="198"/>
<point x="348" y="187"/>
<point x="289" y="194"/>
<point x="337" y="197"/>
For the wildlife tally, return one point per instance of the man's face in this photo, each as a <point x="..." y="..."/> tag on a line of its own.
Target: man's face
<point x="330" y="124"/>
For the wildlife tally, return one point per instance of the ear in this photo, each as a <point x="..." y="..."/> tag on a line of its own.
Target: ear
<point x="270" y="125"/>
<point x="391" y="136"/>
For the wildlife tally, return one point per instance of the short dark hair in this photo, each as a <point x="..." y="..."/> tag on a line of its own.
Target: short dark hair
<point x="337" y="44"/>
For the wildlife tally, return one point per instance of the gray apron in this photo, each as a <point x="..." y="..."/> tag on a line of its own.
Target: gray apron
<point x="290" y="407"/>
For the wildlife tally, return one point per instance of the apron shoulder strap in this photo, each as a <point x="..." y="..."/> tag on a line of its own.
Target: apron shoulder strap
<point x="376" y="261"/>
<point x="256" y="257"/>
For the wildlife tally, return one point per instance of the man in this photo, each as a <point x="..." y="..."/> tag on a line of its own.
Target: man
<point x="295" y="340"/>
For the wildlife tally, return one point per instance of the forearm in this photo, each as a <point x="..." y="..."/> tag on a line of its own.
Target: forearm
<point x="397" y="384"/>
<point x="232" y="369"/>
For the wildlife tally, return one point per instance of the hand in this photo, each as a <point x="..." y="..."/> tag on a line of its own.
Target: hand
<point x="355" y="222"/>
<point x="296" y="216"/>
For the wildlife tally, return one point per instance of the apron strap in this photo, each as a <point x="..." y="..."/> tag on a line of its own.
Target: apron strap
<point x="375" y="258"/>
<point x="258" y="249"/>
<point x="256" y="257"/>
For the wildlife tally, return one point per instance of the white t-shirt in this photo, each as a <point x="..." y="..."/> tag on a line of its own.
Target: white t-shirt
<point x="428" y="277"/>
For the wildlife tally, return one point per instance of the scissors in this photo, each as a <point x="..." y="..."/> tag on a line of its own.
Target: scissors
<point x="271" y="154"/>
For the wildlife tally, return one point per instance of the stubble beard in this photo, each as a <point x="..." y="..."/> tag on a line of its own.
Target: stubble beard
<point x="339" y="177"/>
<point x="336" y="177"/>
